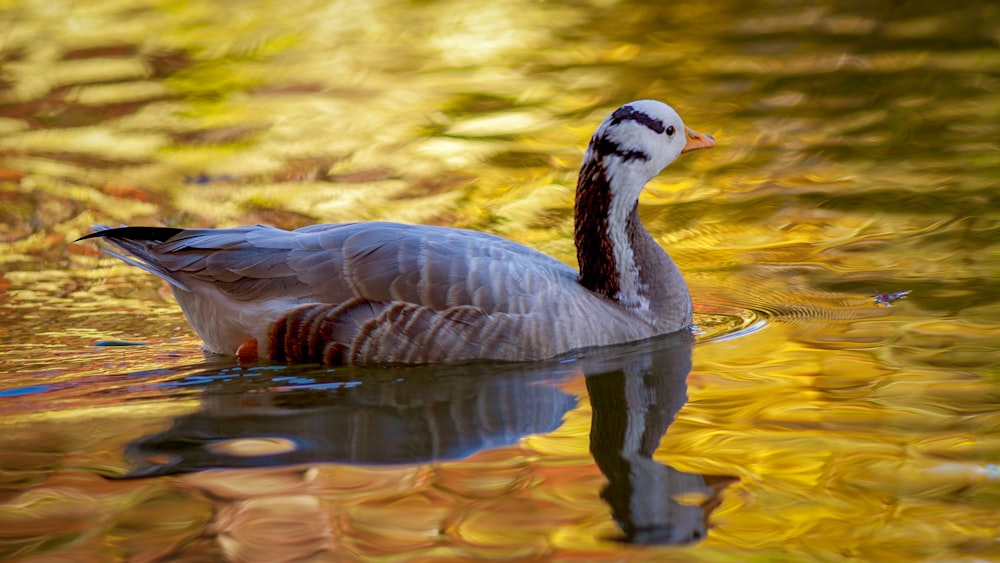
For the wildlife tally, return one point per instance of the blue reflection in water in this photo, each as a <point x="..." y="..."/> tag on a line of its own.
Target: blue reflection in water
<point x="29" y="390"/>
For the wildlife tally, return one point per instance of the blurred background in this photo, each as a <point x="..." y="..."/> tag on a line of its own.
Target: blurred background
<point x="857" y="155"/>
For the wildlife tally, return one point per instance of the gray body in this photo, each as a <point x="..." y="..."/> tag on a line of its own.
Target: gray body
<point x="402" y="293"/>
<point x="387" y="292"/>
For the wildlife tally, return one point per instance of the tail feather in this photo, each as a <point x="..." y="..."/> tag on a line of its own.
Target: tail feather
<point x="137" y="241"/>
<point x="152" y="234"/>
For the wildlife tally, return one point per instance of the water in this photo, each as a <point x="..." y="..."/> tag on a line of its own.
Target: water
<point x="857" y="156"/>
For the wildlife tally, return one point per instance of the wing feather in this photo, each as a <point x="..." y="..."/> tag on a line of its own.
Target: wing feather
<point x="381" y="262"/>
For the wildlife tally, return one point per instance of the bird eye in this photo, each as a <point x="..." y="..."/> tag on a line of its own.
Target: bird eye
<point x="670" y="130"/>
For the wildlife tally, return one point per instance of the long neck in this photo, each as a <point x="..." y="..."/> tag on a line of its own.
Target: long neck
<point x="618" y="258"/>
<point x="609" y="236"/>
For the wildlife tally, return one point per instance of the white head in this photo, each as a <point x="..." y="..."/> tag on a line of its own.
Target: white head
<point x="639" y="140"/>
<point x="630" y="147"/>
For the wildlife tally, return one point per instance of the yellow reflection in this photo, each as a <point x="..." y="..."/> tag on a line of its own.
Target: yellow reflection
<point x="252" y="447"/>
<point x="861" y="160"/>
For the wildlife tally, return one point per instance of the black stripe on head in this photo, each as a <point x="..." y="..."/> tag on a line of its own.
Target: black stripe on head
<point x="628" y="113"/>
<point x="604" y="146"/>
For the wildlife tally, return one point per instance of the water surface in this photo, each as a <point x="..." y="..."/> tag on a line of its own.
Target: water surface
<point x="857" y="155"/>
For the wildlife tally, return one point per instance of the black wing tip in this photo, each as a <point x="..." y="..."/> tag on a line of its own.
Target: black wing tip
<point x="156" y="234"/>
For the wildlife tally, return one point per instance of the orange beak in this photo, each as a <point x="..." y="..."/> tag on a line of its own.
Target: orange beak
<point x="697" y="141"/>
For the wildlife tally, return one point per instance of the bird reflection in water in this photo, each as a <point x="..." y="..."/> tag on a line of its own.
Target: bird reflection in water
<point x="633" y="406"/>
<point x="417" y="415"/>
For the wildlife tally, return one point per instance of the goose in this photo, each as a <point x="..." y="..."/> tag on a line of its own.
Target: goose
<point x="385" y="293"/>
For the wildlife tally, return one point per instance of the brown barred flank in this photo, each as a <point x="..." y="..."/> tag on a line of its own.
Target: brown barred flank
<point x="304" y="335"/>
<point x="357" y="331"/>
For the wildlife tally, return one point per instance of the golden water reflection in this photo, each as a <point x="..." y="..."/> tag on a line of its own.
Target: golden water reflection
<point x="377" y="420"/>
<point x="396" y="432"/>
<point x="857" y="155"/>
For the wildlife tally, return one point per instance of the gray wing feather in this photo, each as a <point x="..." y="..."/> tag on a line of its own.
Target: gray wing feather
<point x="427" y="266"/>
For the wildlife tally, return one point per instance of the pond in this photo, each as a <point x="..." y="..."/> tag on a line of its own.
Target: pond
<point x="838" y="399"/>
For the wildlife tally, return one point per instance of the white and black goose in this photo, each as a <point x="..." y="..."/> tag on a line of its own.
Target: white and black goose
<point x="359" y="293"/>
